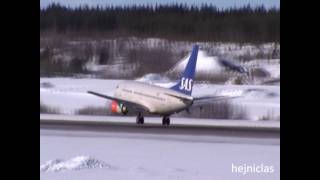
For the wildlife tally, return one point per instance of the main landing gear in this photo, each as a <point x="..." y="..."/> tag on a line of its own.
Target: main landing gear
<point x="140" y="118"/>
<point x="166" y="120"/>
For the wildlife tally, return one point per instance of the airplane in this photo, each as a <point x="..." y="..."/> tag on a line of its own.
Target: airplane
<point x="143" y="98"/>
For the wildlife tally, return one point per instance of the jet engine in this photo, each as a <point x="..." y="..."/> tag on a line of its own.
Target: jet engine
<point x="118" y="108"/>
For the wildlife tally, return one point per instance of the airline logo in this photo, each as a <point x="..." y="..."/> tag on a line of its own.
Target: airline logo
<point x="186" y="84"/>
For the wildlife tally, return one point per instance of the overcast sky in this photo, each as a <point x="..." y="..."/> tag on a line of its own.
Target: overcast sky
<point x="218" y="3"/>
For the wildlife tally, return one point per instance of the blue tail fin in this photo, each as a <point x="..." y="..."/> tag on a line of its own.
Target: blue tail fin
<point x="185" y="84"/>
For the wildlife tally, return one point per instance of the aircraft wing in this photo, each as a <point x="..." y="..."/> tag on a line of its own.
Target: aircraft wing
<point x="184" y="99"/>
<point x="198" y="101"/>
<point x="130" y="105"/>
<point x="203" y="99"/>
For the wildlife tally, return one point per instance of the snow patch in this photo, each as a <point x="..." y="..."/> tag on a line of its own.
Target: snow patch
<point x="152" y="78"/>
<point x="77" y="163"/>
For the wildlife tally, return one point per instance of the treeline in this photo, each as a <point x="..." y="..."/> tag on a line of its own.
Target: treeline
<point x="177" y="22"/>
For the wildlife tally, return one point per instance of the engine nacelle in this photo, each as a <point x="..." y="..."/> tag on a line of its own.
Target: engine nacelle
<point x="118" y="108"/>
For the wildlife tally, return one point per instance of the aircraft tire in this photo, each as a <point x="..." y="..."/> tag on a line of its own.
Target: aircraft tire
<point x="140" y="119"/>
<point x="165" y="121"/>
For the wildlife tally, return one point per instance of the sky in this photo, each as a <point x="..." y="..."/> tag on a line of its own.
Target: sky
<point x="218" y="3"/>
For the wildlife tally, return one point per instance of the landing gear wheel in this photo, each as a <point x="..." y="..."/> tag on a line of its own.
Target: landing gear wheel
<point x="140" y="119"/>
<point x="166" y="120"/>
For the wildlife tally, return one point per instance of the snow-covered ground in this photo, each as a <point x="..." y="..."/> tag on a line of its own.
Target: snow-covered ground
<point x="69" y="95"/>
<point x="215" y="66"/>
<point x="260" y="61"/>
<point x="107" y="155"/>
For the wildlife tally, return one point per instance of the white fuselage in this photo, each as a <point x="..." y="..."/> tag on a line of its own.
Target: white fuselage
<point x="157" y="100"/>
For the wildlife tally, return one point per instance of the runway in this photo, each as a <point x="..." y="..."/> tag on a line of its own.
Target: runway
<point x="237" y="136"/>
<point x="126" y="121"/>
<point x="152" y="151"/>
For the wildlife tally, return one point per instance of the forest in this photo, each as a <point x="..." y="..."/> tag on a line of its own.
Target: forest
<point x="204" y="23"/>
